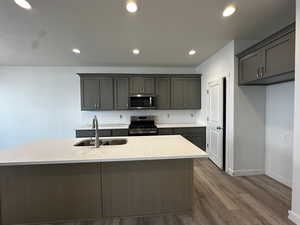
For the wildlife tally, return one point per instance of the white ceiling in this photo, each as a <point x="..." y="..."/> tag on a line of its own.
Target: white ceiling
<point x="163" y="30"/>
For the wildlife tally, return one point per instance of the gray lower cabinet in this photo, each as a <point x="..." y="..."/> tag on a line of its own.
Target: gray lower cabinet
<point x="199" y="141"/>
<point x="121" y="93"/>
<point x="270" y="61"/>
<point x="165" y="131"/>
<point x="119" y="132"/>
<point x="103" y="133"/>
<point x="91" y="133"/>
<point x="45" y="193"/>
<point x="163" y="93"/>
<point x="97" y="94"/>
<point x="186" y="93"/>
<point x="196" y="135"/>
<point x="142" y="85"/>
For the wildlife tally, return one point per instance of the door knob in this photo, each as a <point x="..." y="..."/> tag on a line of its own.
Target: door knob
<point x="219" y="128"/>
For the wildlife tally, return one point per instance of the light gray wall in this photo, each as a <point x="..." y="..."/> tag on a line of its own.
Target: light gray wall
<point x="44" y="102"/>
<point x="245" y="111"/>
<point x="295" y="211"/>
<point x="279" y="131"/>
<point x="249" y="130"/>
<point x="220" y="65"/>
<point x="249" y="122"/>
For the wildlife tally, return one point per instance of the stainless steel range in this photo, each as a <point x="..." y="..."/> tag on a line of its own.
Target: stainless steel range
<point x="142" y="125"/>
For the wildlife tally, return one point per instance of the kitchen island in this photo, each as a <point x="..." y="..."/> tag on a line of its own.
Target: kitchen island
<point x="52" y="180"/>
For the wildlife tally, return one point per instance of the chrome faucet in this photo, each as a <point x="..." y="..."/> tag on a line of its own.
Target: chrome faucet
<point x="95" y="126"/>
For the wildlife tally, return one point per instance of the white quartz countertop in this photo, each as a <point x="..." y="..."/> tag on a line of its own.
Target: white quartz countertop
<point x="183" y="125"/>
<point x="63" y="151"/>
<point x="159" y="125"/>
<point x="106" y="126"/>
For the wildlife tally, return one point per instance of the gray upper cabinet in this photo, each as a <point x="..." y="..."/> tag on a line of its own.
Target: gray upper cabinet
<point x="163" y="93"/>
<point x="112" y="91"/>
<point x="186" y="93"/>
<point x="121" y="93"/>
<point x="106" y="94"/>
<point x="97" y="94"/>
<point x="142" y="85"/>
<point x="192" y="93"/>
<point x="149" y="86"/>
<point x="90" y="89"/>
<point x="178" y="93"/>
<point x="136" y="85"/>
<point x="279" y="56"/>
<point x="249" y="67"/>
<point x="270" y="61"/>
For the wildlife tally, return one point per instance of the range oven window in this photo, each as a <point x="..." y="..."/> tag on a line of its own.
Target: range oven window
<point x="142" y="102"/>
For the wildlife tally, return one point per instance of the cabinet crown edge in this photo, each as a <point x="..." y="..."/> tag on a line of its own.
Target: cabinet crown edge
<point x="128" y="75"/>
<point x="284" y="31"/>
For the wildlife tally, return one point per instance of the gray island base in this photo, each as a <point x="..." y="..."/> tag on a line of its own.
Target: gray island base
<point x="52" y="180"/>
<point x="70" y="192"/>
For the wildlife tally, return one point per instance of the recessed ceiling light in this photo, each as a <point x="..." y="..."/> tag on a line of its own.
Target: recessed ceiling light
<point x="136" y="51"/>
<point x="76" y="51"/>
<point x="131" y="6"/>
<point x="192" y="52"/>
<point x="229" y="10"/>
<point x="24" y="4"/>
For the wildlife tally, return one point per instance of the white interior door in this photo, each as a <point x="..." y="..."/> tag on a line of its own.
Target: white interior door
<point x="215" y="122"/>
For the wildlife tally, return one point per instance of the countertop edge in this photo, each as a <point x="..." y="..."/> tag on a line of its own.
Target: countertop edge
<point x="100" y="160"/>
<point x="119" y="127"/>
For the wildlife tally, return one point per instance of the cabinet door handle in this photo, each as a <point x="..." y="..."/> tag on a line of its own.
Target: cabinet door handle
<point x="257" y="73"/>
<point x="262" y="71"/>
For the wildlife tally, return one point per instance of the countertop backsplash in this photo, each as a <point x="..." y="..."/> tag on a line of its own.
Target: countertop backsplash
<point x="123" y="117"/>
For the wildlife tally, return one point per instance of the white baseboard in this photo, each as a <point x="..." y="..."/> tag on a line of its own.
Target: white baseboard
<point x="246" y="172"/>
<point x="279" y="178"/>
<point x="294" y="217"/>
<point x="230" y="171"/>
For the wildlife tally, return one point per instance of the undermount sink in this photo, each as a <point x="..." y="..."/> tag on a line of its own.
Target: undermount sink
<point x="91" y="142"/>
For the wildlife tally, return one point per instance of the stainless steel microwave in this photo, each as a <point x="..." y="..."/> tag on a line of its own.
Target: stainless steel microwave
<point x="142" y="102"/>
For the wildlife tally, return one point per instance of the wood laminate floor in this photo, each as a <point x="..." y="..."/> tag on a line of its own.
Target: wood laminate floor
<point x="220" y="199"/>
